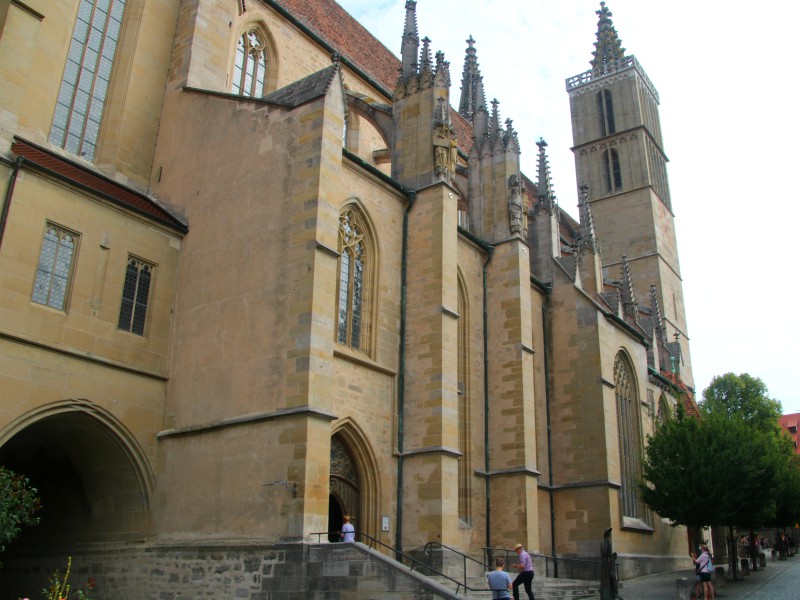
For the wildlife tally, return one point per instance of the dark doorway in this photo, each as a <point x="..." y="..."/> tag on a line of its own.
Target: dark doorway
<point x="345" y="497"/>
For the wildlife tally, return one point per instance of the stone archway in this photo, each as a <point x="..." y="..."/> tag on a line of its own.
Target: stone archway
<point x="92" y="478"/>
<point x="345" y="486"/>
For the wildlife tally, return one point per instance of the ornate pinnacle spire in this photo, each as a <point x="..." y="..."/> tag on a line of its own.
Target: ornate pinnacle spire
<point x="425" y="59"/>
<point x="629" y="304"/>
<point x="494" y="120"/>
<point x="442" y="69"/>
<point x="658" y="318"/>
<point x="587" y="240"/>
<point x="608" y="47"/>
<point x="544" y="184"/>
<point x="410" y="46"/>
<point x="471" y="84"/>
<point x="511" y="138"/>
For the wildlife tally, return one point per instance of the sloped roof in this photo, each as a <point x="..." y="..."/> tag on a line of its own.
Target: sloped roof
<point x="304" y="90"/>
<point x="348" y="37"/>
<point x="83" y="177"/>
<point x="330" y="22"/>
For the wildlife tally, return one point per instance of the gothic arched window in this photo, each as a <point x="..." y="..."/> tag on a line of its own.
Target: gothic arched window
<point x="54" y="271"/>
<point x="84" y="85"/>
<point x="630" y="440"/>
<point x="352" y="295"/>
<point x="464" y="461"/>
<point x="612" y="173"/>
<point x="250" y="66"/>
<point x="605" y="112"/>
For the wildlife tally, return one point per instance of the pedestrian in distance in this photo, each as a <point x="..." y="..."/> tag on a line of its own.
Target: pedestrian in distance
<point x="525" y="568"/>
<point x="499" y="581"/>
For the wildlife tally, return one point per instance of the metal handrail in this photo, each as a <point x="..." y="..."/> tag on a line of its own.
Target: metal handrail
<point x="429" y="547"/>
<point x="397" y="553"/>
<point x="489" y="554"/>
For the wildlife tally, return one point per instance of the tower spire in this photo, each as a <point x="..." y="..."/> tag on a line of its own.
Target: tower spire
<point x="472" y="94"/>
<point x="410" y="48"/>
<point x="608" y="47"/>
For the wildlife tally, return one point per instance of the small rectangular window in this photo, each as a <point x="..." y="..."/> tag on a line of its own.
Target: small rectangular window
<point x="135" y="296"/>
<point x="54" y="271"/>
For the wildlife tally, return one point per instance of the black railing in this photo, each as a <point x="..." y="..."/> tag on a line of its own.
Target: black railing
<point x="400" y="557"/>
<point x="428" y="552"/>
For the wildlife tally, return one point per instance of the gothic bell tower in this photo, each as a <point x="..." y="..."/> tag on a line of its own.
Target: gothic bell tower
<point x="619" y="154"/>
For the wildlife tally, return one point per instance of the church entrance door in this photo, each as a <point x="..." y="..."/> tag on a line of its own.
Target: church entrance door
<point x="345" y="497"/>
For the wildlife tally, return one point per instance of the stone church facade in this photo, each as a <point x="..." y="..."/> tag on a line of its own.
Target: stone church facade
<point x="257" y="273"/>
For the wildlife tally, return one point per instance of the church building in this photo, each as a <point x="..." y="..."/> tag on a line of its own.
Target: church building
<point x="258" y="272"/>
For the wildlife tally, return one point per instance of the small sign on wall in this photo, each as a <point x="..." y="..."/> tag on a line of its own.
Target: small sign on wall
<point x="384" y="523"/>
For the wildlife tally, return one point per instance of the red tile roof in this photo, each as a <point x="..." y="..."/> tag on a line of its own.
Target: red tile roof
<point x="348" y="37"/>
<point x="330" y="22"/>
<point x="86" y="178"/>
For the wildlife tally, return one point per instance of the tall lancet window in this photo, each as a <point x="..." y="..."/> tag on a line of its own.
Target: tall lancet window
<point x="605" y="113"/>
<point x="354" y="258"/>
<point x="612" y="173"/>
<point x="464" y="461"/>
<point x="250" y="66"/>
<point x="630" y="439"/>
<point x="84" y="85"/>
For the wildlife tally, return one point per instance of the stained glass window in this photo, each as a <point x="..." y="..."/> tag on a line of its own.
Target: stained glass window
<point x="630" y="447"/>
<point x="250" y="66"/>
<point x="55" y="267"/>
<point x="352" y="275"/>
<point x="135" y="294"/>
<point x="84" y="85"/>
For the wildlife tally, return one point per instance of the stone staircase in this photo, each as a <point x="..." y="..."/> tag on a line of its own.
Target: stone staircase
<point x="544" y="588"/>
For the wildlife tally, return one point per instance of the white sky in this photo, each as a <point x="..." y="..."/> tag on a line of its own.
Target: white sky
<point x="728" y="102"/>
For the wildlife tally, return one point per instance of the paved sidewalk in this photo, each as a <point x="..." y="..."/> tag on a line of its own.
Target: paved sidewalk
<point x="779" y="581"/>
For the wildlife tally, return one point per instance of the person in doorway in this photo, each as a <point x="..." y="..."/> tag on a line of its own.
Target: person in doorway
<point x="348" y="533"/>
<point x="499" y="581"/>
<point x="525" y="568"/>
<point x="705" y="568"/>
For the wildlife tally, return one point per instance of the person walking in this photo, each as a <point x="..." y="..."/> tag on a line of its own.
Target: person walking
<point x="525" y="568"/>
<point x="499" y="581"/>
<point x="348" y="533"/>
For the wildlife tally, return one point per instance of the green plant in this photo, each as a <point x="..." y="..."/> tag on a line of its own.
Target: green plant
<point x="19" y="503"/>
<point x="60" y="587"/>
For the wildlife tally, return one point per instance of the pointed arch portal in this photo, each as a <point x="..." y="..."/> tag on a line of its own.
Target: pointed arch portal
<point x="93" y="480"/>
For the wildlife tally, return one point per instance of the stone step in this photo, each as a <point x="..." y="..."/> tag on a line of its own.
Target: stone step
<point x="544" y="588"/>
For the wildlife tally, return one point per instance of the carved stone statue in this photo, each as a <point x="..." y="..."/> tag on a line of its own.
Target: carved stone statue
<point x="515" y="205"/>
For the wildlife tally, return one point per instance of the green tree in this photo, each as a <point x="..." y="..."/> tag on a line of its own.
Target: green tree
<point x="18" y="505"/>
<point x="742" y="396"/>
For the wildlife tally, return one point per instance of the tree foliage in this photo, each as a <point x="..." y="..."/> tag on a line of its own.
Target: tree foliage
<point x="729" y="466"/>
<point x="18" y="505"/>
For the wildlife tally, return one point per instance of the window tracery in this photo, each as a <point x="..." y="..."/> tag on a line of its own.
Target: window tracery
<point x="54" y="271"/>
<point x="250" y="65"/>
<point x="354" y="257"/>
<point x="87" y="74"/>
<point x="629" y="434"/>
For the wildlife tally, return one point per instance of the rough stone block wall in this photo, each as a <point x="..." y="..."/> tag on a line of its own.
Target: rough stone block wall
<point x="289" y="571"/>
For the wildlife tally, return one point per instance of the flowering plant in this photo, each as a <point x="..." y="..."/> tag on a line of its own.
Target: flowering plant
<point x="59" y="588"/>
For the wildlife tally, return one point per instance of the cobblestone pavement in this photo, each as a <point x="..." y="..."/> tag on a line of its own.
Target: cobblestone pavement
<point x="779" y="581"/>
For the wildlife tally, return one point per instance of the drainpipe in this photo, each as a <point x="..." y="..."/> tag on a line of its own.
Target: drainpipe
<point x="486" y="465"/>
<point x="401" y="376"/>
<point x="549" y="441"/>
<point x="9" y="193"/>
<point x="489" y="249"/>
